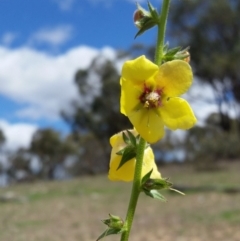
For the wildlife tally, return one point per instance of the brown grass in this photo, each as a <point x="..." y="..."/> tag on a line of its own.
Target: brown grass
<point x="72" y="210"/>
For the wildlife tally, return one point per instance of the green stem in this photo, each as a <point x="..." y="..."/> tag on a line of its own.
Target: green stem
<point x="141" y="147"/>
<point x="135" y="189"/>
<point x="161" y="32"/>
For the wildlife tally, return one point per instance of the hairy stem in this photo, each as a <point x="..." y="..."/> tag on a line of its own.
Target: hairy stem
<point x="135" y="189"/>
<point x="161" y="32"/>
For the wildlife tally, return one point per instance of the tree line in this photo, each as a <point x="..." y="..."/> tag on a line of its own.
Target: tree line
<point x="212" y="30"/>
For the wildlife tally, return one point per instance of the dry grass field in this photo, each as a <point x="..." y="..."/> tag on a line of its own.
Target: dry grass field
<point x="72" y="210"/>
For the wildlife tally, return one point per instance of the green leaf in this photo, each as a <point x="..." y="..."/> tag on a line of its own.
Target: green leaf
<point x="173" y="51"/>
<point x="156" y="184"/>
<point x="108" y="232"/>
<point x="144" y="11"/>
<point x="132" y="138"/>
<point x="153" y="11"/>
<point x="120" y="153"/>
<point x="146" y="177"/>
<point x="165" y="47"/>
<point x="148" y="23"/>
<point x="155" y="194"/>
<point x="125" y="138"/>
<point x="162" y="184"/>
<point x="128" y="154"/>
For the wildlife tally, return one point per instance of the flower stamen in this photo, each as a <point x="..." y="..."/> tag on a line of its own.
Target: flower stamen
<point x="151" y="98"/>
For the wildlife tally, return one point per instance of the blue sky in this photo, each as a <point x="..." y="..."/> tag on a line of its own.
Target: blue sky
<point x="42" y="44"/>
<point x="91" y="22"/>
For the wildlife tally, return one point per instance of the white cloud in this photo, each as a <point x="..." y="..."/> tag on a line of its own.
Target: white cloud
<point x="52" y="35"/>
<point x="8" y="38"/>
<point x="65" y="5"/>
<point x="202" y="100"/>
<point x="17" y="135"/>
<point x="44" y="83"/>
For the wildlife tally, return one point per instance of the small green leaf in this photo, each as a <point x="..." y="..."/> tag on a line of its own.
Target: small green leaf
<point x="165" y="47"/>
<point x="146" y="177"/>
<point x="148" y="23"/>
<point x="156" y="184"/>
<point x="108" y="232"/>
<point x="138" y="138"/>
<point x="162" y="183"/>
<point x="173" y="51"/>
<point x="125" y="138"/>
<point x="120" y="153"/>
<point x="144" y="11"/>
<point x="155" y="194"/>
<point x="153" y="11"/>
<point x="132" y="138"/>
<point x="128" y="154"/>
<point x="114" y="217"/>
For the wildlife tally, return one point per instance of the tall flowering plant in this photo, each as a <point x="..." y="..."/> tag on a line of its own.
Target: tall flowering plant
<point x="150" y="98"/>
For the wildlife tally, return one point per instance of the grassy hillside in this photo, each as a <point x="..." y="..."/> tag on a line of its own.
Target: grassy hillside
<point x="72" y="210"/>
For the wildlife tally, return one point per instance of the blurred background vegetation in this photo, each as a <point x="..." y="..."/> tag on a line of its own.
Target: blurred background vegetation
<point x="214" y="41"/>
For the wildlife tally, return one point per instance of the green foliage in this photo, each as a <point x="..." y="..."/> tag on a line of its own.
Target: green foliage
<point x="100" y="117"/>
<point x="115" y="226"/>
<point x="130" y="150"/>
<point x="51" y="148"/>
<point x="151" y="187"/>
<point x="209" y="144"/>
<point x="211" y="28"/>
<point x="2" y="138"/>
<point x="155" y="194"/>
<point x="174" y="53"/>
<point x="147" y="19"/>
<point x="108" y="232"/>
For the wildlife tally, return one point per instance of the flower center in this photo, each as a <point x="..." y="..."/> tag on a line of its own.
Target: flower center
<point x="151" y="98"/>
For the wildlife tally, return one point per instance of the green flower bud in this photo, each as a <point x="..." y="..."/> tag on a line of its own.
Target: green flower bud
<point x="114" y="222"/>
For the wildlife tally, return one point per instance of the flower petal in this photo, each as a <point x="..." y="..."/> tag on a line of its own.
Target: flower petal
<point x="149" y="164"/>
<point x="148" y="124"/>
<point x="139" y="70"/>
<point x="126" y="172"/>
<point x="130" y="94"/>
<point x="177" y="114"/>
<point x="175" y="77"/>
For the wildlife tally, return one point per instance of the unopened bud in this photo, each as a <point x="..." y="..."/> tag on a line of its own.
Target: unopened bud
<point x="137" y="17"/>
<point x="113" y="222"/>
<point x="187" y="58"/>
<point x="156" y="184"/>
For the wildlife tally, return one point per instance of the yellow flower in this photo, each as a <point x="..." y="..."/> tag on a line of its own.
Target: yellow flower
<point x="149" y="96"/>
<point x="126" y="172"/>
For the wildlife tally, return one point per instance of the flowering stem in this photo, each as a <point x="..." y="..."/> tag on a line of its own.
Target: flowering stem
<point x="135" y="190"/>
<point x="161" y="32"/>
<point x="142" y="144"/>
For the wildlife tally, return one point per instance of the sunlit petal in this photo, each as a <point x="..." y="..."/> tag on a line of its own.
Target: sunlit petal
<point x="175" y="77"/>
<point x="149" y="164"/>
<point x="129" y="96"/>
<point x="177" y="114"/>
<point x="139" y="70"/>
<point x="148" y="124"/>
<point x="126" y="172"/>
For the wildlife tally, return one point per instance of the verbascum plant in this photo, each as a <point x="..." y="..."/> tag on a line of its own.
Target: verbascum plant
<point x="150" y="98"/>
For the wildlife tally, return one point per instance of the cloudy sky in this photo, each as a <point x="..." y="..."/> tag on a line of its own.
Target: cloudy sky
<point x="42" y="44"/>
